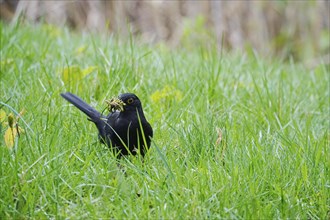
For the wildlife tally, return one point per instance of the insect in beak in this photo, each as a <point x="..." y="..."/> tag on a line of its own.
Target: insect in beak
<point x="115" y="104"/>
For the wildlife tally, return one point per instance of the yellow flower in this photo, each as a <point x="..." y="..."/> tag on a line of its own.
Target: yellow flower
<point x="13" y="130"/>
<point x="167" y="95"/>
<point x="73" y="75"/>
<point x="81" y="50"/>
<point x="3" y="117"/>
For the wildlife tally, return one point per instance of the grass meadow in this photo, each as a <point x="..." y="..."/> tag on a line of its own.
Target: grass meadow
<point x="236" y="135"/>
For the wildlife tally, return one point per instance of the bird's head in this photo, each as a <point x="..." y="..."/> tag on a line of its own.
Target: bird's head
<point x="124" y="102"/>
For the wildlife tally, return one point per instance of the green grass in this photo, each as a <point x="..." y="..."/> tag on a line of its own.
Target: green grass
<point x="272" y="160"/>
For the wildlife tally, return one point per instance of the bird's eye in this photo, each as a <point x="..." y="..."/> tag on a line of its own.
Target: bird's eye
<point x="130" y="101"/>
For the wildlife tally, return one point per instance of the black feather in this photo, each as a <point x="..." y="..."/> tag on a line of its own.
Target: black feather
<point x="126" y="132"/>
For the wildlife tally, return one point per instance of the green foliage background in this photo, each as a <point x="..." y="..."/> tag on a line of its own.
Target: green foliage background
<point x="236" y="136"/>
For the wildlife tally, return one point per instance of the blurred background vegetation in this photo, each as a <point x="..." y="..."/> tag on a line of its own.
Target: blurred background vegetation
<point x="290" y="30"/>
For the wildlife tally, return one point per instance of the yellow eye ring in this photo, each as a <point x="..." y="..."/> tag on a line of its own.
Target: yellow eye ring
<point x="130" y="101"/>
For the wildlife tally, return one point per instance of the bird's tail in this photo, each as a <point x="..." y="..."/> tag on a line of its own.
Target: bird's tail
<point x="92" y="113"/>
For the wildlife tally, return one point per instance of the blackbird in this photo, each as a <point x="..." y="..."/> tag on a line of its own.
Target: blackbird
<point x="125" y="129"/>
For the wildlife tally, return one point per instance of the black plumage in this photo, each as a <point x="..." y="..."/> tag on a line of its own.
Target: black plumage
<point x="125" y="129"/>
